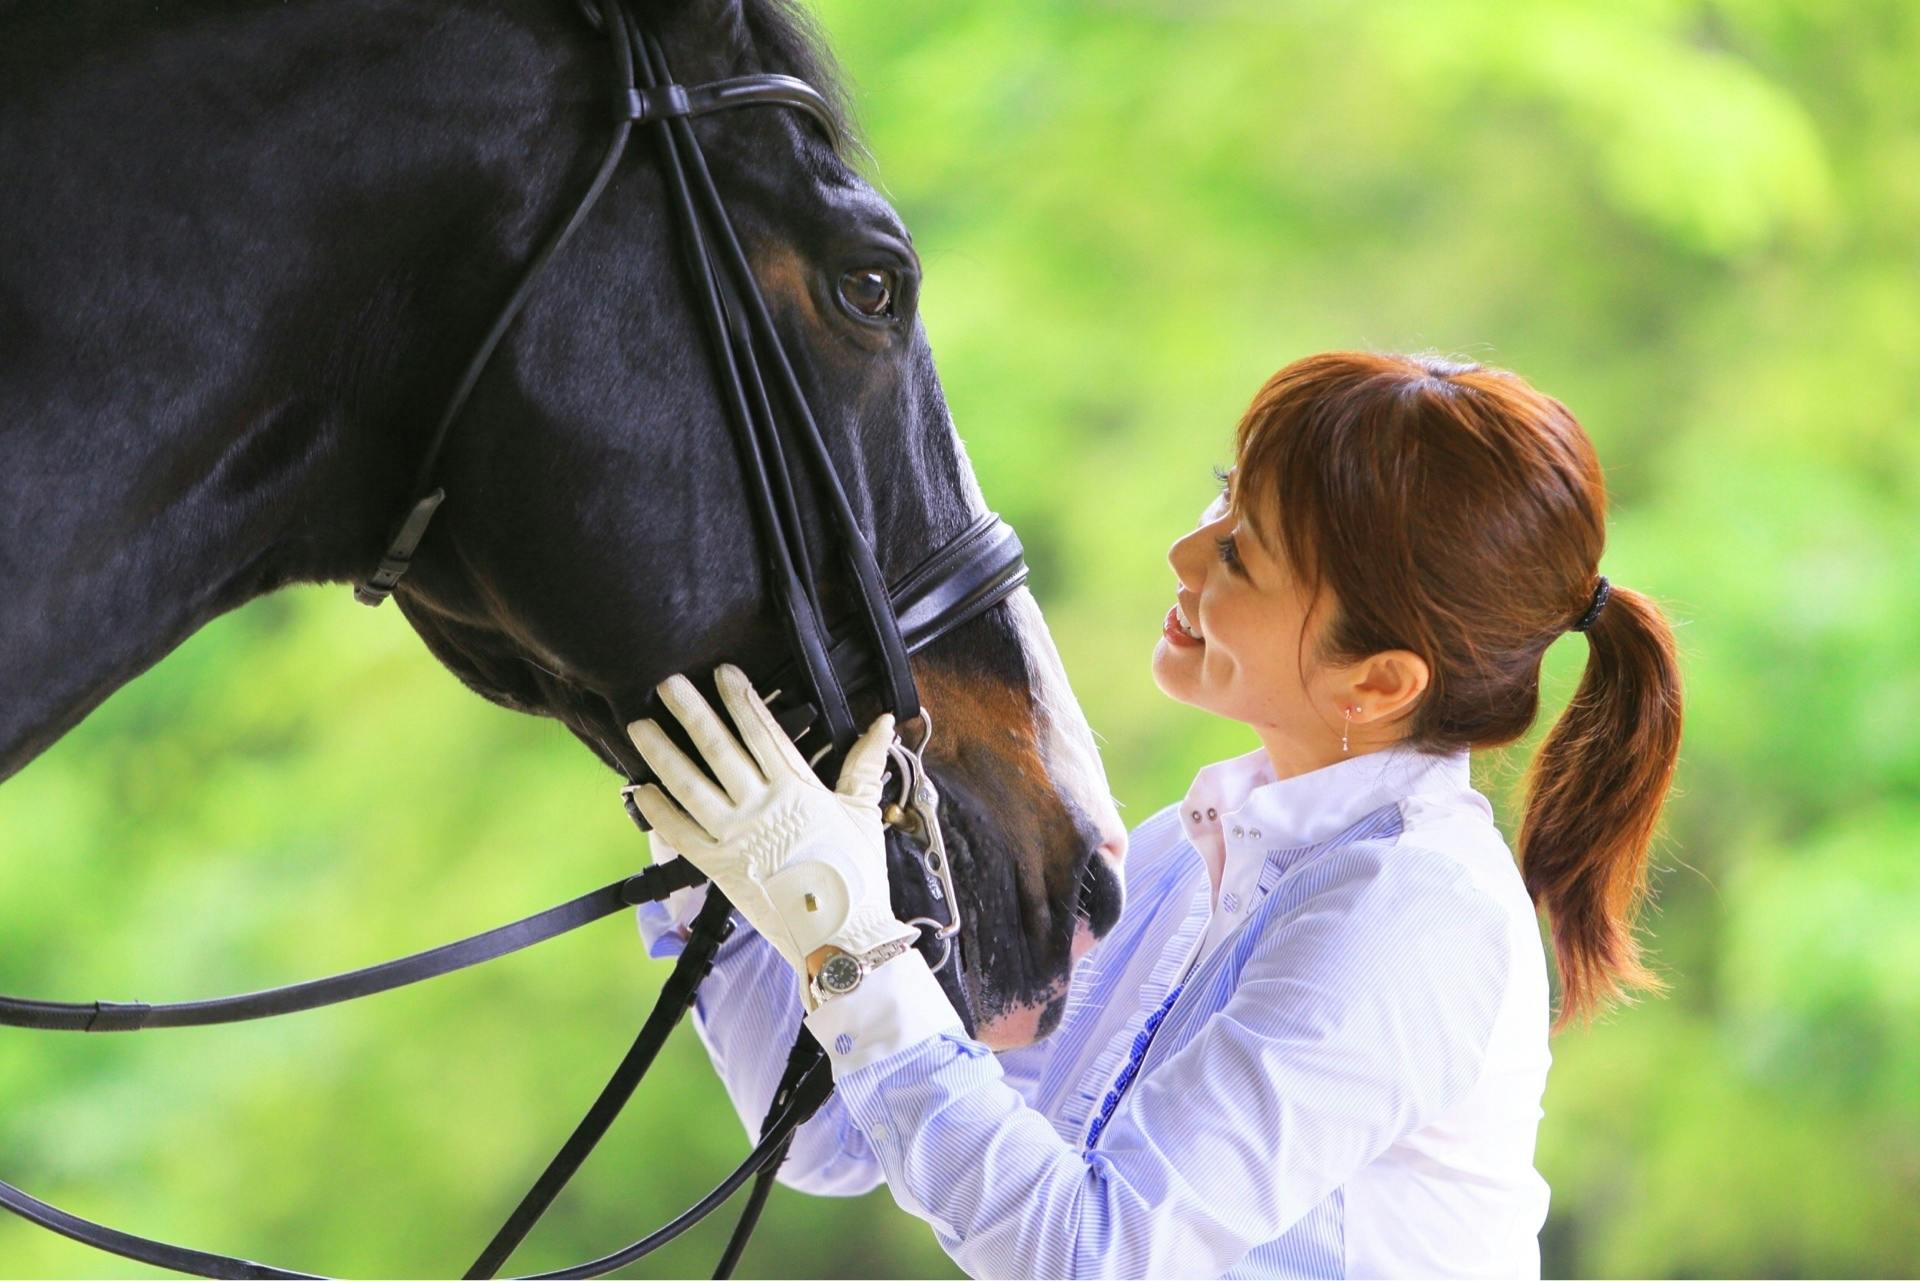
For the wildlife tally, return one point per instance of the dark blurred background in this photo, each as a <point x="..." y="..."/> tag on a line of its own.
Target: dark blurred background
<point x="1692" y="222"/>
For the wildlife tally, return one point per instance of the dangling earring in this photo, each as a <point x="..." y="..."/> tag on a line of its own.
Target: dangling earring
<point x="1346" y="726"/>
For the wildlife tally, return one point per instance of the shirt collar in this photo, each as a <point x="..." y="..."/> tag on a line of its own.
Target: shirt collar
<point x="1243" y="793"/>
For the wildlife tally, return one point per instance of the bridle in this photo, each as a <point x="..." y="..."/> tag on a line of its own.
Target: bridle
<point x="783" y="456"/>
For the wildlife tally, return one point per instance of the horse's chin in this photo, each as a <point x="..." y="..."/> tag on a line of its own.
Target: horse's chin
<point x="1027" y="1022"/>
<point x="1020" y="1025"/>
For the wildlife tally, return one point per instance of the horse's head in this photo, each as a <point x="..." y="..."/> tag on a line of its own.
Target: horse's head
<point x="598" y="533"/>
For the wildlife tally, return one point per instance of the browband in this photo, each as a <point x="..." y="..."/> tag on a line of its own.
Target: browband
<point x="663" y="102"/>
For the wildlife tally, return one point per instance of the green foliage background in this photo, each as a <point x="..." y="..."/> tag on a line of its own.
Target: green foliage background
<point x="1692" y="221"/>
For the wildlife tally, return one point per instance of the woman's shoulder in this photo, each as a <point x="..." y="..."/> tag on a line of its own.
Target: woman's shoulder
<point x="1460" y="829"/>
<point x="1435" y="864"/>
<point x="1441" y="890"/>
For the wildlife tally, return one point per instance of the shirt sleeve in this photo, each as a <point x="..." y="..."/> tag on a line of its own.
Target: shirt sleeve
<point x="1359" y="1015"/>
<point x="747" y="1014"/>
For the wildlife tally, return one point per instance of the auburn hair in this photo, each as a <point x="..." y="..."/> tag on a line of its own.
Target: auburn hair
<point x="1452" y="510"/>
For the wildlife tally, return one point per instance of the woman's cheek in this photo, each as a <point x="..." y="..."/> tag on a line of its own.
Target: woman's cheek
<point x="1222" y="640"/>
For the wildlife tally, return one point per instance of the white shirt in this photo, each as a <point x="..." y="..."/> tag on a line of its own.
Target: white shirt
<point x="1314" y="1045"/>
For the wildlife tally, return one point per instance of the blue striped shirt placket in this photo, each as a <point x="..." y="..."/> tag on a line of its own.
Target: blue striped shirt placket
<point x="1141" y="1041"/>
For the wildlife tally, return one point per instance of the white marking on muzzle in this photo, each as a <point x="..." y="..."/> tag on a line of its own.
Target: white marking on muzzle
<point x="1066" y="741"/>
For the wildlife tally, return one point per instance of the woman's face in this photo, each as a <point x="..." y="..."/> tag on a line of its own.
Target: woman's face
<point x="1246" y="648"/>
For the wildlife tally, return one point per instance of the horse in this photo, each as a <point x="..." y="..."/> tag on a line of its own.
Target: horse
<point x="251" y="244"/>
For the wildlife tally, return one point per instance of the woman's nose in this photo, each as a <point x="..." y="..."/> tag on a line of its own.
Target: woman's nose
<point x="1189" y="560"/>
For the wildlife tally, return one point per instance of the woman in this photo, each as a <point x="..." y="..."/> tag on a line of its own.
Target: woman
<point x="1315" y="1043"/>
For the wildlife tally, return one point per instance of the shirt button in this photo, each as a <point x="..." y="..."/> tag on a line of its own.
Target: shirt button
<point x="1196" y="815"/>
<point x="879" y="1131"/>
<point x="1210" y="813"/>
<point x="1239" y="831"/>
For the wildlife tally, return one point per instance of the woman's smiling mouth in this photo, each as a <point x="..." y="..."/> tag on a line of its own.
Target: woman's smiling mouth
<point x="1178" y="630"/>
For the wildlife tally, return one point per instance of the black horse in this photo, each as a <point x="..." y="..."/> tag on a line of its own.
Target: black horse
<point x="247" y="249"/>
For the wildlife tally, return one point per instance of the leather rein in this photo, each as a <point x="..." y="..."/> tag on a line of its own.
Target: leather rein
<point x="782" y="450"/>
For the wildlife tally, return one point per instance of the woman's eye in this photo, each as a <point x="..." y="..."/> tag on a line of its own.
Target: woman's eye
<point x="1223" y="501"/>
<point x="1229" y="553"/>
<point x="869" y="291"/>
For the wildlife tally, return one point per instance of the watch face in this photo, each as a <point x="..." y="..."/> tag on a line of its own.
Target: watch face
<point x="840" y="974"/>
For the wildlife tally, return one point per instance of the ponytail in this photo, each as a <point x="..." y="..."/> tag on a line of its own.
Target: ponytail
<point x="1593" y="797"/>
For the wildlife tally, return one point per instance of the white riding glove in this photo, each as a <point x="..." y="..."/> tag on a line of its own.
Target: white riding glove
<point x="807" y="867"/>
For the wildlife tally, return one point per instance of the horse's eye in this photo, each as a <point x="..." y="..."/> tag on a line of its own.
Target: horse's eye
<point x="869" y="291"/>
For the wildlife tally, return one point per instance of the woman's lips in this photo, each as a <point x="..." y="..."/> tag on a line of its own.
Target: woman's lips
<point x="1177" y="635"/>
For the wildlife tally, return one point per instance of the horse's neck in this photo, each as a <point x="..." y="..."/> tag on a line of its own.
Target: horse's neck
<point x="222" y="368"/>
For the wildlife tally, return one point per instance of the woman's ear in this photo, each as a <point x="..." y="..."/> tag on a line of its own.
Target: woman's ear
<point x="1387" y="685"/>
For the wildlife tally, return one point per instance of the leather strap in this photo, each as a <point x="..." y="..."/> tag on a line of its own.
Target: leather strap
<point x="656" y="882"/>
<point x="632" y="105"/>
<point x="159" y="1254"/>
<point x="710" y="929"/>
<point x="399" y="554"/>
<point x="812" y="1091"/>
<point x="805" y="1055"/>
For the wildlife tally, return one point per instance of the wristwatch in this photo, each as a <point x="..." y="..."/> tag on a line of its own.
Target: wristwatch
<point x="843" y="971"/>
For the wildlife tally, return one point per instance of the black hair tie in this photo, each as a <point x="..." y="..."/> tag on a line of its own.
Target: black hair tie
<point x="1600" y="595"/>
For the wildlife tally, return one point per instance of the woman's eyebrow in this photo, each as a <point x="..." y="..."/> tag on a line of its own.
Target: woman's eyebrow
<point x="1256" y="532"/>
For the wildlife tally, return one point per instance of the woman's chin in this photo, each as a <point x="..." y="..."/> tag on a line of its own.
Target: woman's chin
<point x="1169" y="671"/>
<point x="1176" y="672"/>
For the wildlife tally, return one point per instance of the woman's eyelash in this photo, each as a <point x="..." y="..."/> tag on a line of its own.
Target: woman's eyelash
<point x="1224" y="475"/>
<point x="1229" y="553"/>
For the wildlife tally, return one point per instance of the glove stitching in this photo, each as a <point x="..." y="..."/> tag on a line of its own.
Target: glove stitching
<point x="772" y="836"/>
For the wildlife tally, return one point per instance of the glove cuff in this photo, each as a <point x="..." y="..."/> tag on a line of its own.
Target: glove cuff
<point x="869" y="927"/>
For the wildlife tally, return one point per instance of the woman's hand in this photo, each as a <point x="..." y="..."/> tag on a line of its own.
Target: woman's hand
<point x="806" y="866"/>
